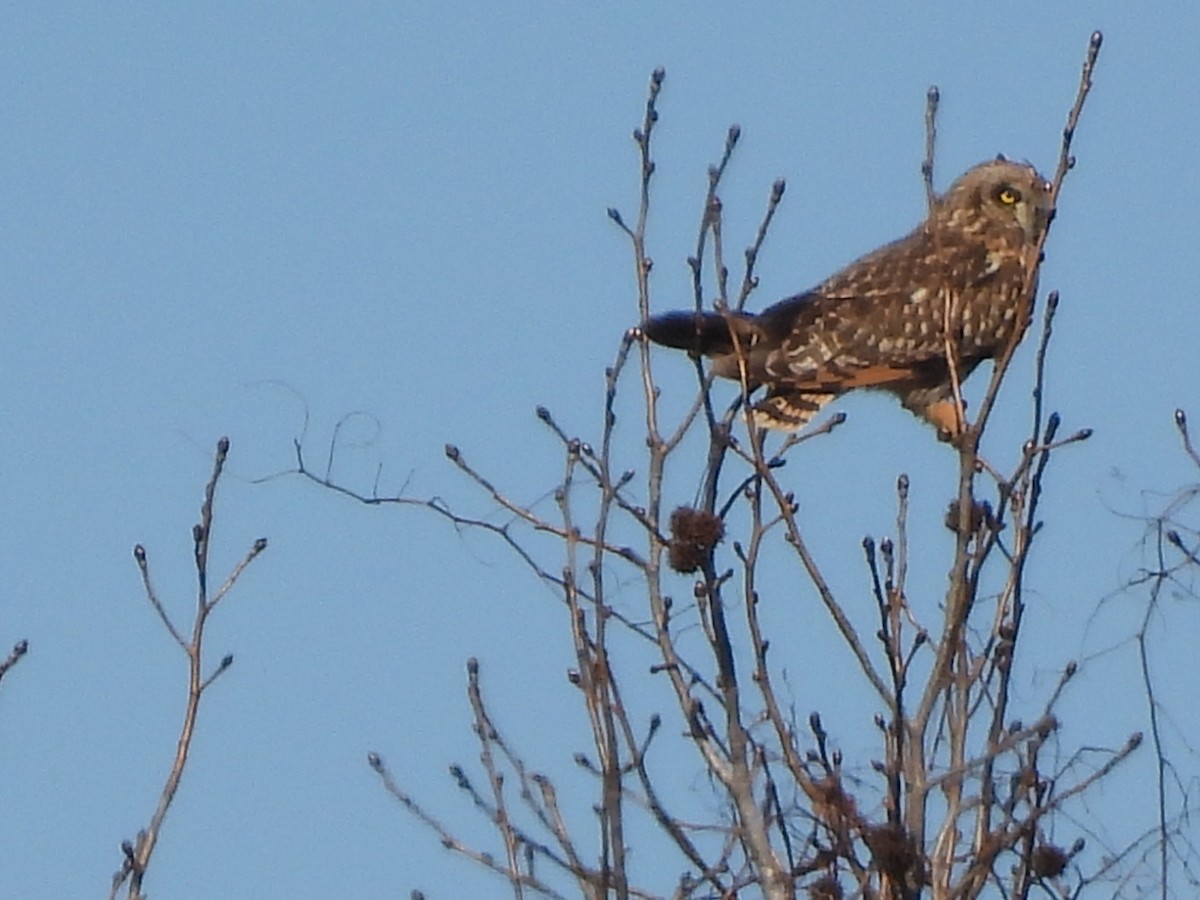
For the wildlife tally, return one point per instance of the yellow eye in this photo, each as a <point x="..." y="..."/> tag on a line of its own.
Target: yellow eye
<point x="1008" y="195"/>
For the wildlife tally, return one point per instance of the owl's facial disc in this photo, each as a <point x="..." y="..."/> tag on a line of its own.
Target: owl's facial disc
<point x="1034" y="215"/>
<point x="1027" y="215"/>
<point x="1028" y="203"/>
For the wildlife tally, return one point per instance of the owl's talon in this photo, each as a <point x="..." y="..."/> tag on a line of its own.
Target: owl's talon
<point x="954" y="439"/>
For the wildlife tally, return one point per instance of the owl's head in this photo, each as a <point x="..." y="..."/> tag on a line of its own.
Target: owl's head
<point x="1001" y="193"/>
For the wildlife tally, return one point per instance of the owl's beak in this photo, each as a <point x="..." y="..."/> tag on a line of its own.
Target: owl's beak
<point x="1033" y="218"/>
<point x="1044" y="211"/>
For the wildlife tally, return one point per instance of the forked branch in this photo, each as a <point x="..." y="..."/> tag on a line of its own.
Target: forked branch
<point x="137" y="853"/>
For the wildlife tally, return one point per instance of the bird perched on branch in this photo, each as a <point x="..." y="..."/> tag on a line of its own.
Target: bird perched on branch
<point x="952" y="293"/>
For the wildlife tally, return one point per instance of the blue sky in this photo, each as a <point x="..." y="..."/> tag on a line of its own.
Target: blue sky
<point x="253" y="219"/>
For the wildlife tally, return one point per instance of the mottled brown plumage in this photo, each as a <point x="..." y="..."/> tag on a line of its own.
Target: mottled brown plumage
<point x="881" y="322"/>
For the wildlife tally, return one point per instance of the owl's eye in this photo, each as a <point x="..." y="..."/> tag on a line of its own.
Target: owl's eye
<point x="1008" y="195"/>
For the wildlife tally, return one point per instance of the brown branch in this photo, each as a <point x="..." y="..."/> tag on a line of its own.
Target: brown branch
<point x="1156" y="737"/>
<point x="749" y="279"/>
<point x="594" y="675"/>
<point x="137" y="854"/>
<point x="485" y="731"/>
<point x="787" y="509"/>
<point x="969" y="450"/>
<point x="20" y="648"/>
<point x="536" y="522"/>
<point x="932" y="99"/>
<point x="462" y="522"/>
<point x="452" y="843"/>
<point x="139" y="555"/>
<point x="710" y="221"/>
<point x="1182" y="424"/>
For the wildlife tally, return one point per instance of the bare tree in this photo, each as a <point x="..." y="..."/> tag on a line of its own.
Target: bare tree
<point x="957" y="797"/>
<point x="1170" y="567"/>
<point x="137" y="853"/>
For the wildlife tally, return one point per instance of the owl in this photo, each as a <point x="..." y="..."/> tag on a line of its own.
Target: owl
<point x="957" y="287"/>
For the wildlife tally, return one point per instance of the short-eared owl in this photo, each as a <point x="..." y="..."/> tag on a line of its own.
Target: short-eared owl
<point x="881" y="322"/>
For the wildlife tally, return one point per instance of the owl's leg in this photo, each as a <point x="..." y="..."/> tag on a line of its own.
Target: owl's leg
<point x="788" y="410"/>
<point x="946" y="419"/>
<point x="936" y="405"/>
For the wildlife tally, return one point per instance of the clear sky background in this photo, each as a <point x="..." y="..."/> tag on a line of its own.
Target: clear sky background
<point x="253" y="219"/>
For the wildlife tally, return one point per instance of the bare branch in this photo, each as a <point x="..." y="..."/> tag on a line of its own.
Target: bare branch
<point x="137" y="854"/>
<point x="20" y="648"/>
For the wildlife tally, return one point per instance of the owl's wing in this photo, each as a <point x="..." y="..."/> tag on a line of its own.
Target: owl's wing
<point x="879" y="321"/>
<point x="836" y="343"/>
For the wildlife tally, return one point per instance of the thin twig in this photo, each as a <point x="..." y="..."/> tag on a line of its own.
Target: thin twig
<point x="20" y="648"/>
<point x="137" y="854"/>
<point x="749" y="278"/>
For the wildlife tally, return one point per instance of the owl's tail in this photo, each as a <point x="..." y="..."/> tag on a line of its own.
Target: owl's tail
<point x="789" y="410"/>
<point x="701" y="333"/>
